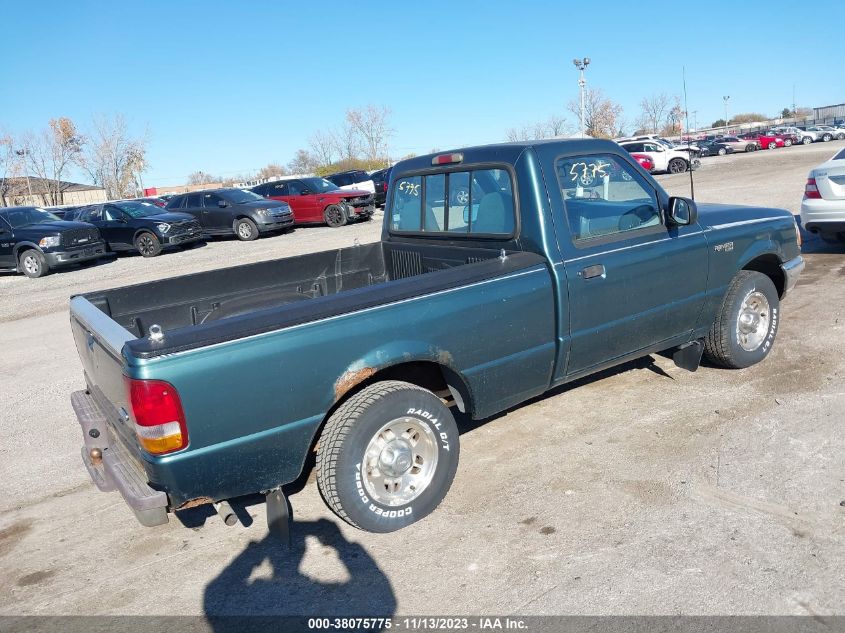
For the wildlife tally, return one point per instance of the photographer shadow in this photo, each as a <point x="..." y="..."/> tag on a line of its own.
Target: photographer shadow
<point x="266" y="579"/>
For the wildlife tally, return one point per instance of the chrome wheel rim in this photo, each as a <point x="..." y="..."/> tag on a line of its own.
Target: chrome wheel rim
<point x="244" y="230"/>
<point x="752" y="324"/>
<point x="399" y="462"/>
<point x="145" y="245"/>
<point x="30" y="264"/>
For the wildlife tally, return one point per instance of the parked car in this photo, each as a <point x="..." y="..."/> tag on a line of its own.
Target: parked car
<point x="816" y="134"/>
<point x="227" y="380"/>
<point x="319" y="200"/>
<point x="664" y="158"/>
<point x="141" y="227"/>
<point x="234" y="211"/>
<point x="828" y="132"/>
<point x="354" y="179"/>
<point x="840" y="131"/>
<point x="33" y="241"/>
<point x="381" y="179"/>
<point x="791" y="135"/>
<point x="823" y="206"/>
<point x="159" y="202"/>
<point x="748" y="143"/>
<point x="644" y="161"/>
<point x="714" y="148"/>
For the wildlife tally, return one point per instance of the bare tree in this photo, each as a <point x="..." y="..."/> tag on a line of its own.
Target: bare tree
<point x="602" y="117"/>
<point x="8" y="165"/>
<point x="674" y="119"/>
<point x="113" y="158"/>
<point x="201" y="178"/>
<point x="653" y="110"/>
<point x="373" y="127"/>
<point x="347" y="142"/>
<point x="50" y="152"/>
<point x="550" y="128"/>
<point x="303" y="163"/>
<point x="323" y="147"/>
<point x="268" y="171"/>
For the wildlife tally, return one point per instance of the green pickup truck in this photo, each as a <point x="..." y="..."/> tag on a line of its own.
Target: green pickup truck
<point x="502" y="271"/>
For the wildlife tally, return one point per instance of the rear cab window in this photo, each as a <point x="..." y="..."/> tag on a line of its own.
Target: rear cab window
<point x="455" y="203"/>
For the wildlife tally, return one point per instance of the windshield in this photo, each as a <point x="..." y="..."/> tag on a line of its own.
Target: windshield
<point x="28" y="215"/>
<point x="319" y="185"/>
<point x="241" y="196"/>
<point x="138" y="209"/>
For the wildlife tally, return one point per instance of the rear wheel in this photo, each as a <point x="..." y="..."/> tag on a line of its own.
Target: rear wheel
<point x="827" y="137"/>
<point x="772" y="145"/>
<point x="806" y="140"/>
<point x="148" y="245"/>
<point x="246" y="230"/>
<point x="677" y="166"/>
<point x="746" y="325"/>
<point x="787" y="142"/>
<point x="335" y="216"/>
<point x="387" y="456"/>
<point x="751" y="147"/>
<point x="722" y="151"/>
<point x="33" y="264"/>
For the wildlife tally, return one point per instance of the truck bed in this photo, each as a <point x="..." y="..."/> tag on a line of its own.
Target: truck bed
<point x="219" y="305"/>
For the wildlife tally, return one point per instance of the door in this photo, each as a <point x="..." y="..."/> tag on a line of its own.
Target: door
<point x="193" y="205"/>
<point x="632" y="281"/>
<point x="7" y="242"/>
<point x="217" y="218"/>
<point x="93" y="214"/>
<point x="116" y="224"/>
<point x="304" y="202"/>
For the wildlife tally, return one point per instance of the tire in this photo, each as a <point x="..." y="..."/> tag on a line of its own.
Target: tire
<point x="772" y="145"/>
<point x="147" y="244"/>
<point x="33" y="264"/>
<point x="840" y="136"/>
<point x="747" y="323"/>
<point x="722" y="151"/>
<point x="827" y="137"/>
<point x="806" y="140"/>
<point x="677" y="166"/>
<point x="335" y="216"/>
<point x="355" y="488"/>
<point x="245" y="230"/>
<point x="787" y="142"/>
<point x="750" y="148"/>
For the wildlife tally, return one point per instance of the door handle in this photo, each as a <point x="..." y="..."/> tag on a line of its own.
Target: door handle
<point x="596" y="270"/>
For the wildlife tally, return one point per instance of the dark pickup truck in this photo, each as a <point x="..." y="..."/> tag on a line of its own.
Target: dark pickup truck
<point x="220" y="384"/>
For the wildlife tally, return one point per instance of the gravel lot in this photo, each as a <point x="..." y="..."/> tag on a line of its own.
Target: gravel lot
<point x="644" y="490"/>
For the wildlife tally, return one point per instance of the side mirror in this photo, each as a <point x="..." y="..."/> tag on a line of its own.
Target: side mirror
<point x="222" y="204"/>
<point x="3" y="231"/>
<point x="682" y="211"/>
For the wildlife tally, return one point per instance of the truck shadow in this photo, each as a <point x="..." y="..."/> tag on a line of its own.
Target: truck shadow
<point x="267" y="579"/>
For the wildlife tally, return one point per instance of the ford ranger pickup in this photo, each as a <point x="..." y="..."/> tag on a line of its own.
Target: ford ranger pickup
<point x="210" y="386"/>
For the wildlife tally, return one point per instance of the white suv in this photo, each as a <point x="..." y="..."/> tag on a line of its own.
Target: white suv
<point x="665" y="158"/>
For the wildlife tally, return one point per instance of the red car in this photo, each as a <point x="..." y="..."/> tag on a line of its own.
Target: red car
<point x="764" y="140"/>
<point x="644" y="161"/>
<point x="316" y="200"/>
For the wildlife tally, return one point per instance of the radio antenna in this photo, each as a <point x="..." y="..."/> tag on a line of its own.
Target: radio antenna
<point x="686" y="113"/>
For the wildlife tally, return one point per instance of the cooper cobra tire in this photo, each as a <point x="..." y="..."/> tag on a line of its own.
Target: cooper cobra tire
<point x="383" y="480"/>
<point x="747" y="323"/>
<point x="33" y="264"/>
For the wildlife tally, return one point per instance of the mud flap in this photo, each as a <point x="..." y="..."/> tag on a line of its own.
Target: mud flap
<point x="279" y="515"/>
<point x="688" y="356"/>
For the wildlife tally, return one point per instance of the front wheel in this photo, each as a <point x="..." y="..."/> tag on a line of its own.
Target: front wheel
<point x="148" y="245"/>
<point x="772" y="145"/>
<point x="246" y="230"/>
<point x="677" y="166"/>
<point x="806" y="140"/>
<point x="827" y="137"/>
<point x="335" y="216"/>
<point x="387" y="456"/>
<point x="33" y="264"/>
<point x="787" y="142"/>
<point x="722" y="151"/>
<point x="745" y="327"/>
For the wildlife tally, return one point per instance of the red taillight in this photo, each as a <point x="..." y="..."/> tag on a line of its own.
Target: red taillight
<point x="384" y="185"/>
<point x="811" y="190"/>
<point x="160" y="204"/>
<point x="447" y="159"/>
<point x="159" y="419"/>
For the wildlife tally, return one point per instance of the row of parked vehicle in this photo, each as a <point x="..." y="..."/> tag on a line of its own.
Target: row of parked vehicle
<point x="35" y="240"/>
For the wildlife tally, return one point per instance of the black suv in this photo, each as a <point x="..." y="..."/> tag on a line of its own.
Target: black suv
<point x="347" y="178"/>
<point x="133" y="225"/>
<point x="381" y="179"/>
<point x="33" y="241"/>
<point x="227" y="211"/>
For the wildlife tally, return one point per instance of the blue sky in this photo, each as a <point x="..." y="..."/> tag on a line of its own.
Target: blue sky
<point x="227" y="87"/>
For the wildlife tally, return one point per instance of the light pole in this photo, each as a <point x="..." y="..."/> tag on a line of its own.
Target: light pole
<point x="581" y="65"/>
<point x="726" y="99"/>
<point x="694" y="119"/>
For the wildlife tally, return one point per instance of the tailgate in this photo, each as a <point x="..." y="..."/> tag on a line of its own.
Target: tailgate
<point x="99" y="343"/>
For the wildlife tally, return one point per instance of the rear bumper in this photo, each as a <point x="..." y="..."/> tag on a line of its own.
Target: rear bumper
<point x="75" y="255"/>
<point x="820" y="215"/>
<point x="791" y="271"/>
<point x="117" y="470"/>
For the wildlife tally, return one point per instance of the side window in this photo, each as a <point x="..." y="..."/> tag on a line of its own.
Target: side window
<point x="343" y="180"/>
<point x="296" y="187"/>
<point x="634" y="147"/>
<point x="210" y="200"/>
<point x="407" y="203"/>
<point x="194" y="201"/>
<point x="111" y="214"/>
<point x="279" y="189"/>
<point x="91" y="214"/>
<point x="175" y="202"/>
<point x="604" y="196"/>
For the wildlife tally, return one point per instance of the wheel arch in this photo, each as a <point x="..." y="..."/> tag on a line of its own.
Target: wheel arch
<point x="20" y="247"/>
<point x="768" y="264"/>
